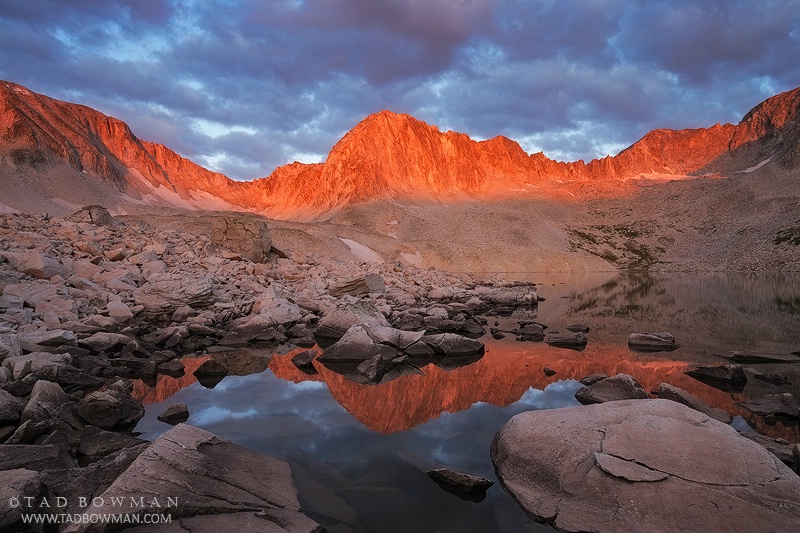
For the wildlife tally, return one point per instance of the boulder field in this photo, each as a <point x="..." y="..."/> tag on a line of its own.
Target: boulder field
<point x="89" y="302"/>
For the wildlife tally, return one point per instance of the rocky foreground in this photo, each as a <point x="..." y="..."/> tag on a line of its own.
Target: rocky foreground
<point x="89" y="302"/>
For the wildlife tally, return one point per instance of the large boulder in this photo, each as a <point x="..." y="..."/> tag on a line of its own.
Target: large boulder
<point x="643" y="465"/>
<point x="92" y="214"/>
<point x="357" y="345"/>
<point x="451" y="344"/>
<point x="615" y="388"/>
<point x="207" y="484"/>
<point x="247" y="236"/>
<point x="335" y="323"/>
<point x="49" y="402"/>
<point x="111" y="408"/>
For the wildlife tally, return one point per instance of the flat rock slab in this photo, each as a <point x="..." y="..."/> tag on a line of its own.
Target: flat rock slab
<point x="652" y="342"/>
<point x="33" y="457"/>
<point x="730" y="375"/>
<point x="210" y="480"/>
<point x="643" y="465"/>
<point x="785" y="405"/>
<point x="759" y="357"/>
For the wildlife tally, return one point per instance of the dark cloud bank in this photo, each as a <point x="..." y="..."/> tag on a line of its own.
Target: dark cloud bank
<point x="243" y="86"/>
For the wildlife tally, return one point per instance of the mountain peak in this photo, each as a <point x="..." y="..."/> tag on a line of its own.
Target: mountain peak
<point x="386" y="155"/>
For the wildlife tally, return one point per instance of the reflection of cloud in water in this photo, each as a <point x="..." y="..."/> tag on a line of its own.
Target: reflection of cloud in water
<point x="558" y="394"/>
<point x="215" y="414"/>
<point x="310" y="385"/>
<point x="462" y="439"/>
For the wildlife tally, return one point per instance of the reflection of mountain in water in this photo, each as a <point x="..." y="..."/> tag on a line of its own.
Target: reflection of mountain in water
<point x="238" y="363"/>
<point x="706" y="313"/>
<point x="501" y="377"/>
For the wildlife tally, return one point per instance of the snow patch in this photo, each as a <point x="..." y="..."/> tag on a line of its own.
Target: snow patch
<point x="363" y="253"/>
<point x="755" y="167"/>
<point x="197" y="199"/>
<point x="414" y="259"/>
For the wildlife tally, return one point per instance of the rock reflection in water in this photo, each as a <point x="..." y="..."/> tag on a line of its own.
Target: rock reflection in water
<point x="359" y="452"/>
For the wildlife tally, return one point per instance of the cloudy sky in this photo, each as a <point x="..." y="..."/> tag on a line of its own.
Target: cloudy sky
<point x="243" y="86"/>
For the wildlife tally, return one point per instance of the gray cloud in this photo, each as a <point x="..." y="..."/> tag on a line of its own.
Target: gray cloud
<point x="248" y="85"/>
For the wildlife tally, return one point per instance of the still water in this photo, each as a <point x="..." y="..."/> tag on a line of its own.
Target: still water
<point x="359" y="452"/>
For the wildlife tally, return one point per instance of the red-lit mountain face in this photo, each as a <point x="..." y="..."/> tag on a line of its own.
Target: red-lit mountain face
<point x="62" y="155"/>
<point x="397" y="189"/>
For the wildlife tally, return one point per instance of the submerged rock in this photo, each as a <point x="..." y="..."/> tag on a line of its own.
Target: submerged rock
<point x="643" y="465"/>
<point x="465" y="486"/>
<point x="773" y="379"/>
<point x="759" y="357"/>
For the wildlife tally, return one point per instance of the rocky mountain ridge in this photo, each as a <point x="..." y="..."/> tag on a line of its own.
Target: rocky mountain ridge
<point x="387" y="155"/>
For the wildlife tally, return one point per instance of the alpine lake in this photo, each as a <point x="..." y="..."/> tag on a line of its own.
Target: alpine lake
<point x="360" y="451"/>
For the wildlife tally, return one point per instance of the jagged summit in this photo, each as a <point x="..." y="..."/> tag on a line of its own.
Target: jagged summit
<point x="65" y="151"/>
